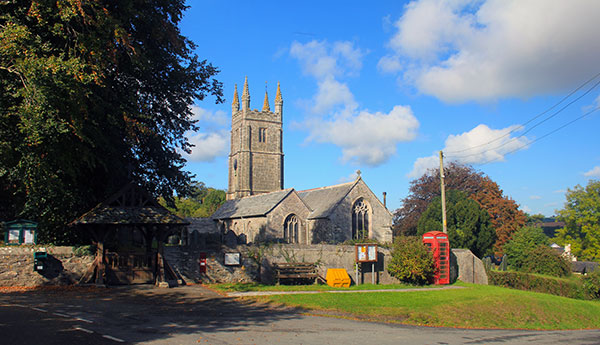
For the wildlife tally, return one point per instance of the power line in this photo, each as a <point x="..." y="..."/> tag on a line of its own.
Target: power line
<point x="543" y="136"/>
<point x="528" y="130"/>
<point x="537" y="116"/>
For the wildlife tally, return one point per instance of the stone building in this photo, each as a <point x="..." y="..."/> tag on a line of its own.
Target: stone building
<point x="258" y="208"/>
<point x="256" y="158"/>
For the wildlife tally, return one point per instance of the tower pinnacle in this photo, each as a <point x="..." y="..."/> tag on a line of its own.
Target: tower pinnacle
<point x="246" y="96"/>
<point x="278" y="98"/>
<point x="235" y="106"/>
<point x="278" y="102"/>
<point x="266" y="102"/>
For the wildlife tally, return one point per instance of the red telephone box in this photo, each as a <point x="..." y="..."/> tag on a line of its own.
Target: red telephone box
<point x="438" y="244"/>
<point x="202" y="263"/>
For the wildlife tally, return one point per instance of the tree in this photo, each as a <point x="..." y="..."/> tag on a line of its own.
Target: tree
<point x="93" y="94"/>
<point x="504" y="212"/>
<point x="468" y="224"/>
<point x="411" y="261"/>
<point x="202" y="202"/>
<point x="545" y="260"/>
<point x="581" y="215"/>
<point x="523" y="242"/>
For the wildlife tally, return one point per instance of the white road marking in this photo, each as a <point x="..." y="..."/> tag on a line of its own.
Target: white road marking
<point x="113" y="338"/>
<point x="61" y="314"/>
<point x="39" y="309"/>
<point x="84" y="330"/>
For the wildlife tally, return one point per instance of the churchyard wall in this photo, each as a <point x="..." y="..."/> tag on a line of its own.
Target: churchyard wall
<point x="64" y="267"/>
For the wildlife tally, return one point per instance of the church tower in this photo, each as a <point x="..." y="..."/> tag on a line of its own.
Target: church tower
<point x="256" y="157"/>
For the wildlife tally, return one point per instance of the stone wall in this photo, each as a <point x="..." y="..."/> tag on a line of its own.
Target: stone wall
<point x="185" y="262"/>
<point x="469" y="268"/>
<point x="64" y="268"/>
<point x="464" y="265"/>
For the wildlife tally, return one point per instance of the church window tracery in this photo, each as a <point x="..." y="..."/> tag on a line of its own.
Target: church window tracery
<point x="360" y="220"/>
<point x="290" y="229"/>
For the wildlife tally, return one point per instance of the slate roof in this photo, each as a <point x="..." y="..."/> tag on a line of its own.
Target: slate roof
<point x="202" y="225"/>
<point x="323" y="200"/>
<point x="251" y="206"/>
<point x="584" y="266"/>
<point x="131" y="205"/>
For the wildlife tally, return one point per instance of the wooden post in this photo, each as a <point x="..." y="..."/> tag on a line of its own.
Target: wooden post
<point x="101" y="266"/>
<point x="444" y="225"/>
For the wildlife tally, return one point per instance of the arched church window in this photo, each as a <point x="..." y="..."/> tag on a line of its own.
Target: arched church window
<point x="360" y="220"/>
<point x="290" y="229"/>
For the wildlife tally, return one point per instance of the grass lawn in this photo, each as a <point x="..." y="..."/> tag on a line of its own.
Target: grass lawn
<point x="475" y="306"/>
<point x="316" y="287"/>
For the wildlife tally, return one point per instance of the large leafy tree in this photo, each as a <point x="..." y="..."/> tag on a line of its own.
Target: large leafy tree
<point x="93" y="94"/>
<point x="581" y="215"/>
<point x="469" y="225"/>
<point x="504" y="212"/>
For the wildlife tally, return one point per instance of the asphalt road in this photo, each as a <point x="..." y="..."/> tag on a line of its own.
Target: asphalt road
<point x="194" y="315"/>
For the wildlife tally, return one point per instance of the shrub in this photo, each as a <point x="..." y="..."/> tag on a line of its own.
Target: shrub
<point x="544" y="260"/>
<point x="525" y="240"/>
<point x="411" y="261"/>
<point x="591" y="284"/>
<point x="531" y="282"/>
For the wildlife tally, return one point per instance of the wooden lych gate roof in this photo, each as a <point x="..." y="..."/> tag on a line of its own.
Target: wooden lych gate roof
<point x="132" y="205"/>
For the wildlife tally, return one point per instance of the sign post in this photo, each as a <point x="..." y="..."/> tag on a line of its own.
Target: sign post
<point x="366" y="252"/>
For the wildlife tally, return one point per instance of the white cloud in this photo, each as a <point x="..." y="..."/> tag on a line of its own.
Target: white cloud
<point x="595" y="172"/>
<point x="321" y="59"/>
<point x="488" y="49"/>
<point x="368" y="138"/>
<point x="208" y="146"/>
<point x="535" y="197"/>
<point x="202" y="115"/>
<point x="332" y="94"/>
<point x="389" y="64"/>
<point x="526" y="209"/>
<point x="365" y="137"/>
<point x="477" y="146"/>
<point x="349" y="178"/>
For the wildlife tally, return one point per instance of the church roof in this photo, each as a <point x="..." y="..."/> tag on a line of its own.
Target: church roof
<point x="251" y="206"/>
<point x="324" y="200"/>
<point x="131" y="205"/>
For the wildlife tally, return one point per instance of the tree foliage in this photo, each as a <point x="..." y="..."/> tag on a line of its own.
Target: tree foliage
<point x="93" y="94"/>
<point x="411" y="261"/>
<point x="202" y="202"/>
<point x="468" y="224"/>
<point x="504" y="212"/>
<point x="581" y="215"/>
<point x="544" y="260"/>
<point x="523" y="242"/>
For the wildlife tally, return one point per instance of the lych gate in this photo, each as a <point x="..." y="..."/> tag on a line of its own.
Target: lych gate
<point x="129" y="230"/>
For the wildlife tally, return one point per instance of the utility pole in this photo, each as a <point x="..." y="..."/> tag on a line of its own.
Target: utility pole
<point x="445" y="228"/>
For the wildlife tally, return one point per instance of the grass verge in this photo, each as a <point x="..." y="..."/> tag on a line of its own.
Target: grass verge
<point x="476" y="306"/>
<point x="242" y="287"/>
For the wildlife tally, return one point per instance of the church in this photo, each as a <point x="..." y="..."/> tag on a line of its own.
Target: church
<point x="258" y="208"/>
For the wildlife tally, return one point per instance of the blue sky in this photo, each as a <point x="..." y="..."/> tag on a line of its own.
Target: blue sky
<point x="382" y="87"/>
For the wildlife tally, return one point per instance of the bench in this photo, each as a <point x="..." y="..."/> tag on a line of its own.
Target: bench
<point x="295" y="272"/>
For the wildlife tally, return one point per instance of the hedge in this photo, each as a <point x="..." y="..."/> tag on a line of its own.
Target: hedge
<point x="531" y="282"/>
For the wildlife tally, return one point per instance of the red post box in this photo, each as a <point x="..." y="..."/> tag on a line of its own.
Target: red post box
<point x="438" y="244"/>
<point x="202" y="263"/>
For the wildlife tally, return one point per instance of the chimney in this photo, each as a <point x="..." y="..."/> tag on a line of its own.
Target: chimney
<point x="384" y="199"/>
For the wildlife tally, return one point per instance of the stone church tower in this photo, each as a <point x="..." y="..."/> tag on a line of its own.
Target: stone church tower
<point x="256" y="157"/>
